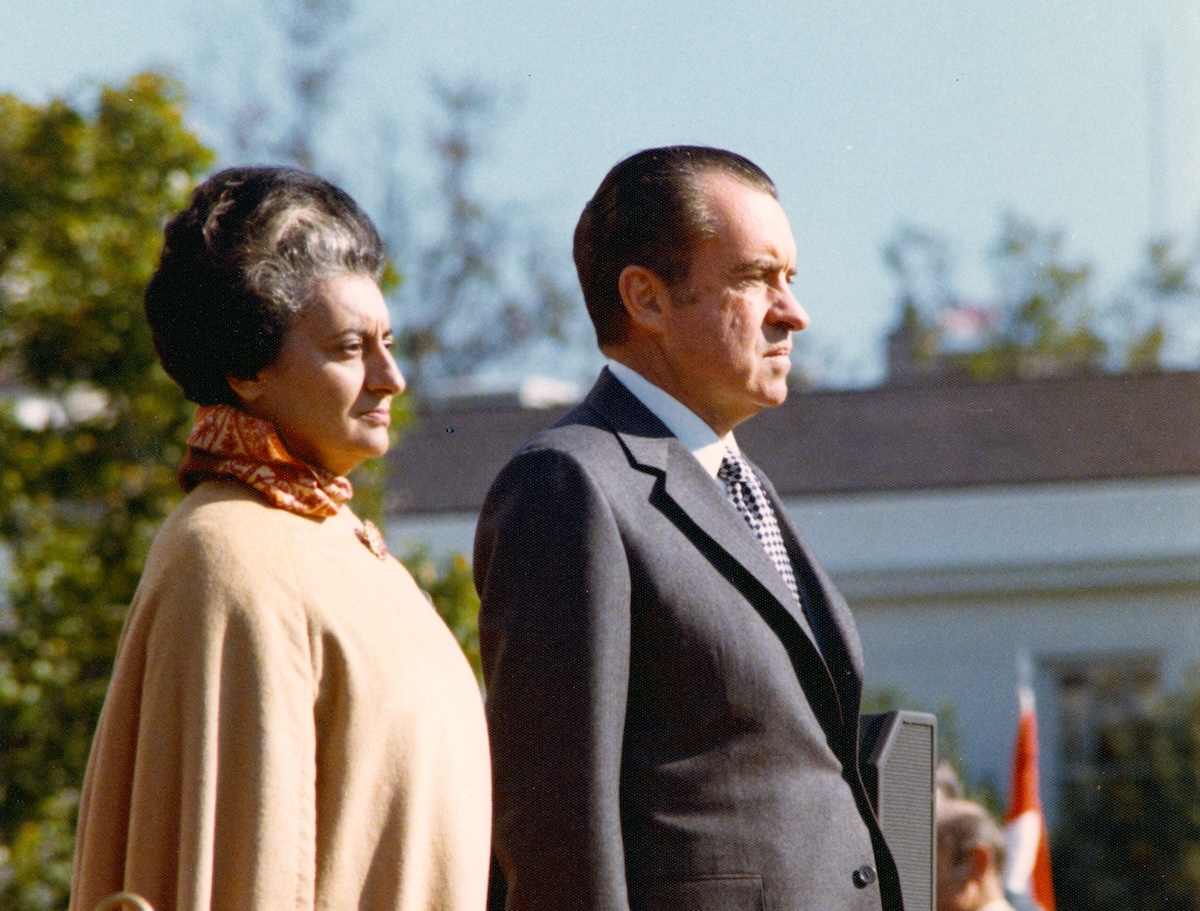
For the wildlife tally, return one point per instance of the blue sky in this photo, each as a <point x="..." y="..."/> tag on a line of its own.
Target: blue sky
<point x="945" y="113"/>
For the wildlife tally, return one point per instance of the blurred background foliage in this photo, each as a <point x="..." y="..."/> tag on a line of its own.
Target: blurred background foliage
<point x="89" y="434"/>
<point x="1131" y="836"/>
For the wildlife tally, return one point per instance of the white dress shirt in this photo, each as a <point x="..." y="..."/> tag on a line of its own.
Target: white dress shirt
<point x="699" y="439"/>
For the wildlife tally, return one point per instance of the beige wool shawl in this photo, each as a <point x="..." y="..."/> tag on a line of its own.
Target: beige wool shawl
<point x="289" y="725"/>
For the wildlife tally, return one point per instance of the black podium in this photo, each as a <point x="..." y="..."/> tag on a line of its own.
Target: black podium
<point x="898" y="756"/>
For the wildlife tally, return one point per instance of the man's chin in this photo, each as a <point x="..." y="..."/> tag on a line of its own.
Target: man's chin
<point x="775" y="394"/>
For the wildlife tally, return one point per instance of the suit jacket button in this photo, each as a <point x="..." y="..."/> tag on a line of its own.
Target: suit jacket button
<point x="863" y="876"/>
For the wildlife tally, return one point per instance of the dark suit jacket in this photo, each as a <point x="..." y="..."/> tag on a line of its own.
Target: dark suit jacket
<point x="666" y="732"/>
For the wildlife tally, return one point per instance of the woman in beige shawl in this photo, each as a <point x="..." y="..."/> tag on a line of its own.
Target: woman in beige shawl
<point x="289" y="723"/>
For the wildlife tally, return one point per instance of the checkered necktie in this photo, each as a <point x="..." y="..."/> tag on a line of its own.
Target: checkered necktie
<point x="746" y="493"/>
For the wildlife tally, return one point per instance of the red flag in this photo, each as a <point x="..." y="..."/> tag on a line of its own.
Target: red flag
<point x="1027" y="869"/>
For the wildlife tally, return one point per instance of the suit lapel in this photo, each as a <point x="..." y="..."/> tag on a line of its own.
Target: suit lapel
<point x="654" y="449"/>
<point x="701" y="499"/>
<point x="838" y="639"/>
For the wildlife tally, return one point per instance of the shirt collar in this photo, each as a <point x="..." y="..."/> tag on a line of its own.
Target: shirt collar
<point x="699" y="439"/>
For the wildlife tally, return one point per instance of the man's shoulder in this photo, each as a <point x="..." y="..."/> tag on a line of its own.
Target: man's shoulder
<point x="581" y="437"/>
<point x="595" y="443"/>
<point x="608" y="412"/>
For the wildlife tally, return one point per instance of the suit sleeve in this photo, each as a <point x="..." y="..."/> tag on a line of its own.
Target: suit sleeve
<point x="554" y="585"/>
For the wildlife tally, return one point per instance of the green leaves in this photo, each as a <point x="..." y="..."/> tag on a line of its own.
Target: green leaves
<point x="1130" y="838"/>
<point x="1045" y="317"/>
<point x="86" y="195"/>
<point x="451" y="587"/>
<point x="89" y="430"/>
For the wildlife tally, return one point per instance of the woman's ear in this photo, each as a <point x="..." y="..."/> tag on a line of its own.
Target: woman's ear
<point x="645" y="296"/>
<point x="248" y="390"/>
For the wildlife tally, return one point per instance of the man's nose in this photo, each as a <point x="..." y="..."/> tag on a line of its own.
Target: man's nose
<point x="789" y="312"/>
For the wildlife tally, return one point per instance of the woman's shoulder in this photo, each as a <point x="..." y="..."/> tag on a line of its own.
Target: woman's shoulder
<point x="225" y="513"/>
<point x="215" y="570"/>
<point x="222" y="534"/>
<point x="223" y="530"/>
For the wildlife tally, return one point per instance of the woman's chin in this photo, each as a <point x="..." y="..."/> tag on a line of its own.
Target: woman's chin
<point x="373" y="447"/>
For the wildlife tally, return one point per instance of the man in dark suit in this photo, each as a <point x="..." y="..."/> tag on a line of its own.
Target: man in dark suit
<point x="673" y="683"/>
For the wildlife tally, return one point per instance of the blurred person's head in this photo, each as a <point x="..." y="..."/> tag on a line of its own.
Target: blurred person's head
<point x="947" y="782"/>
<point x="970" y="856"/>
<point x="266" y="298"/>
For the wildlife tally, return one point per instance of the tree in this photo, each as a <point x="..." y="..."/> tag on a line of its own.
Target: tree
<point x="1130" y="837"/>
<point x="919" y="261"/>
<point x="451" y="586"/>
<point x="1043" y="320"/>
<point x="316" y="37"/>
<point x="1157" y="313"/>
<point x="88" y="432"/>
<point x="1046" y="323"/>
<point x="480" y="289"/>
<point x="477" y="293"/>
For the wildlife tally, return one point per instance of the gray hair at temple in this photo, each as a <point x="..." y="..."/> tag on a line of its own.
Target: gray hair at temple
<point x="241" y="264"/>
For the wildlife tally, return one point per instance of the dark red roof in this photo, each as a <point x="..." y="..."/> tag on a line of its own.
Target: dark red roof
<point x="939" y="435"/>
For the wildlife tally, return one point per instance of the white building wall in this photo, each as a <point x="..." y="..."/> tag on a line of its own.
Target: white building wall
<point x="443" y="535"/>
<point x="999" y="526"/>
<point x="948" y="586"/>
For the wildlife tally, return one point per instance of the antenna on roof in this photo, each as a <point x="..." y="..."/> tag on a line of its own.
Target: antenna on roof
<point x="1156" y="139"/>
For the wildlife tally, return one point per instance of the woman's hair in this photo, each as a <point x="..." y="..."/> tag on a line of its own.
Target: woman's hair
<point x="240" y="265"/>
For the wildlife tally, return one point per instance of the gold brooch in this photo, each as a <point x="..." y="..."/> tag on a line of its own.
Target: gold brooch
<point x="372" y="539"/>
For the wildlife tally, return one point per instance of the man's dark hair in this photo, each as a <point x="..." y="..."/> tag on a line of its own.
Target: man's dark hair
<point x="649" y="211"/>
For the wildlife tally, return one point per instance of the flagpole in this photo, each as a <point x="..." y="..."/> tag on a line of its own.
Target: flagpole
<point x="1027" y="868"/>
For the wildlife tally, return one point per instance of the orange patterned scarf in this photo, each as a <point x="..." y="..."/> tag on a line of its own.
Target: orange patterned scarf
<point x="226" y="442"/>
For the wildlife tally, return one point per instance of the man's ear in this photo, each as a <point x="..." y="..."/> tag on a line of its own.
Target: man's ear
<point x="646" y="298"/>
<point x="983" y="861"/>
<point x="248" y="390"/>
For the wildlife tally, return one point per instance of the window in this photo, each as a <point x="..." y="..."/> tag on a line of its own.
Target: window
<point x="1102" y="706"/>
